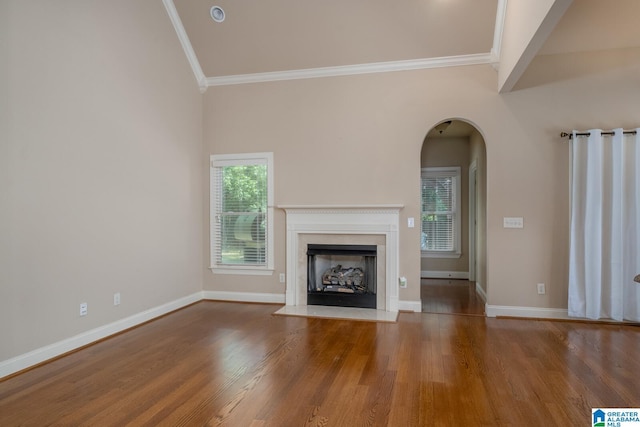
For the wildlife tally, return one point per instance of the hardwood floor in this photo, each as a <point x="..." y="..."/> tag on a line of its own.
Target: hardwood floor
<point x="451" y="297"/>
<point x="234" y="364"/>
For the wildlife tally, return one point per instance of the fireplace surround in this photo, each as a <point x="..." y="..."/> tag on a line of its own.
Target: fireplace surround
<point x="343" y="225"/>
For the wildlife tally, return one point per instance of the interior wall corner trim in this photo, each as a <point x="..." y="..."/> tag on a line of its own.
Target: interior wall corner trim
<point x="186" y="44"/>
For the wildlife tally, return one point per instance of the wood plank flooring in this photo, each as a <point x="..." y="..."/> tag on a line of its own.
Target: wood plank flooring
<point x="234" y="364"/>
<point x="450" y="296"/>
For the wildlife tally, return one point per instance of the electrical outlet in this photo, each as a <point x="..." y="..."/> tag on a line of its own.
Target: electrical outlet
<point x="411" y="222"/>
<point x="116" y="298"/>
<point x="83" y="309"/>
<point x="403" y="282"/>
<point x="541" y="289"/>
<point x="281" y="277"/>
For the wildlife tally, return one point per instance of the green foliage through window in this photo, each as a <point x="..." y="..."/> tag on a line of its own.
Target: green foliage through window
<point x="245" y="188"/>
<point x="439" y="209"/>
<point x="240" y="210"/>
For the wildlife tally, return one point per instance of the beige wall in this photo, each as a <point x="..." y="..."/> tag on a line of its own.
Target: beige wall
<point x="101" y="166"/>
<point x="319" y="126"/>
<point x="443" y="152"/>
<point x="104" y="178"/>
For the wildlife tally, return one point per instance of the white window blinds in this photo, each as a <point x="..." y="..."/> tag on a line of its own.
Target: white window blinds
<point x="240" y="211"/>
<point x="440" y="209"/>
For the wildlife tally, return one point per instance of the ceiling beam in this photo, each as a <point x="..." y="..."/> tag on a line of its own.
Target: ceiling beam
<point x="527" y="26"/>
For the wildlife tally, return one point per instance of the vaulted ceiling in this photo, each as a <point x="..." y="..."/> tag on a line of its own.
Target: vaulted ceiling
<point x="279" y="35"/>
<point x="294" y="38"/>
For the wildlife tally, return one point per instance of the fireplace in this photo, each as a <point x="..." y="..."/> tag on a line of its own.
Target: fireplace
<point x="373" y="225"/>
<point x="341" y="275"/>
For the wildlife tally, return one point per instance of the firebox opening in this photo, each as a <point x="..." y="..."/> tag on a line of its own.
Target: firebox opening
<point x="341" y="275"/>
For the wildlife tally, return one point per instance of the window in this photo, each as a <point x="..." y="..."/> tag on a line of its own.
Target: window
<point x="242" y="213"/>
<point x="440" y="215"/>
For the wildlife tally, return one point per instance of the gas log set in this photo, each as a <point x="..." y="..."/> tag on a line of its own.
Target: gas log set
<point x="348" y="280"/>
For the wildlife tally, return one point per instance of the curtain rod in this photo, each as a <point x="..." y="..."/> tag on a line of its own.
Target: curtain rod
<point x="570" y="135"/>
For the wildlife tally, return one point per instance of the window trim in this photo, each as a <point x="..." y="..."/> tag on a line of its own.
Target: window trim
<point x="454" y="171"/>
<point x="217" y="160"/>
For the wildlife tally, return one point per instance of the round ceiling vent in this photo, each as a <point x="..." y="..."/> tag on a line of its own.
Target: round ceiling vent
<point x="217" y="14"/>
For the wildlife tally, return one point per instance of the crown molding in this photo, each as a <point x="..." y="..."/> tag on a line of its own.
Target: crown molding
<point x="501" y="14"/>
<point x="348" y="70"/>
<point x="186" y="44"/>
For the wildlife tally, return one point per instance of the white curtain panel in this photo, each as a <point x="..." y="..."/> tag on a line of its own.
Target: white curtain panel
<point x="605" y="226"/>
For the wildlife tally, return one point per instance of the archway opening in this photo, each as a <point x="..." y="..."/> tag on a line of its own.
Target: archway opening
<point x="453" y="219"/>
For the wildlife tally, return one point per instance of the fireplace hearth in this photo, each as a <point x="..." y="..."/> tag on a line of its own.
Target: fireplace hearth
<point x="341" y="275"/>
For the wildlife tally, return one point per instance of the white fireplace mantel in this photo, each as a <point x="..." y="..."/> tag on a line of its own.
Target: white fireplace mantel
<point x="341" y="220"/>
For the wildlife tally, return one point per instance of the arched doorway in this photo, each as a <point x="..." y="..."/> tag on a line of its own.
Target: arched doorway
<point x="453" y="219"/>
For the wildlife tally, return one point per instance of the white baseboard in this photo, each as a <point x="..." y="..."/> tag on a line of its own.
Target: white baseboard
<point x="415" y="306"/>
<point x="244" y="297"/>
<point x="445" y="274"/>
<point x="42" y="354"/>
<point x="481" y="292"/>
<point x="534" y="312"/>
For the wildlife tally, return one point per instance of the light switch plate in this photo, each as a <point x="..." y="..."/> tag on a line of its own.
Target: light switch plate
<point x="411" y="222"/>
<point x="513" y="222"/>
